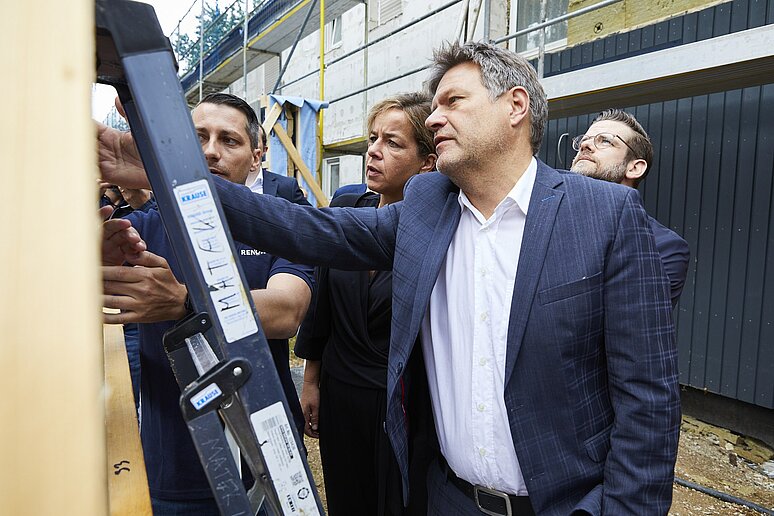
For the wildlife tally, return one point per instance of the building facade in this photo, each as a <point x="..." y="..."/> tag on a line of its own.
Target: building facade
<point x="699" y="75"/>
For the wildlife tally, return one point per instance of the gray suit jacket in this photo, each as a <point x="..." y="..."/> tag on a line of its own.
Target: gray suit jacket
<point x="591" y="371"/>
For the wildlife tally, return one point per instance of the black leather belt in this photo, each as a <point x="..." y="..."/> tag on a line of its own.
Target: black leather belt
<point x="489" y="501"/>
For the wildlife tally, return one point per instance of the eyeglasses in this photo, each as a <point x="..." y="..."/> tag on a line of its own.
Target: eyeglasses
<point x="601" y="141"/>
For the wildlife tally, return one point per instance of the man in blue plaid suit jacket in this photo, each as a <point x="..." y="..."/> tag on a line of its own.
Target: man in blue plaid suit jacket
<point x="585" y="413"/>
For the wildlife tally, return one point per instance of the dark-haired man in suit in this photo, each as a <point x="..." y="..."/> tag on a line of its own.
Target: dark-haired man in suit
<point x="150" y="293"/>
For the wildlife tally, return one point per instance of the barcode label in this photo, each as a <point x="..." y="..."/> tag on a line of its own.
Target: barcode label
<point x="283" y="460"/>
<point x="270" y="423"/>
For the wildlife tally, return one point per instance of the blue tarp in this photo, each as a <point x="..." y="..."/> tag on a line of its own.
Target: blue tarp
<point x="307" y="140"/>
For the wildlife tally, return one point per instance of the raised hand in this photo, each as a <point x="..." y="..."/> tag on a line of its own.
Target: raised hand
<point x="118" y="158"/>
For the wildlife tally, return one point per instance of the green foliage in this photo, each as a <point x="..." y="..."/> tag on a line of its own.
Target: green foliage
<point x="217" y="24"/>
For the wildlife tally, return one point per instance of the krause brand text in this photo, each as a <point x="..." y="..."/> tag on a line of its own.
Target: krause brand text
<point x="193" y="196"/>
<point x="211" y="392"/>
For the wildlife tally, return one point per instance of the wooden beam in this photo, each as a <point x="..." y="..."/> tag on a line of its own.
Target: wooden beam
<point x="322" y="199"/>
<point x="271" y="117"/>
<point x="127" y="481"/>
<point x="52" y="436"/>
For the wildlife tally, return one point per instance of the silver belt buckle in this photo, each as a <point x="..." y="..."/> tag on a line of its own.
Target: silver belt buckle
<point x="499" y="494"/>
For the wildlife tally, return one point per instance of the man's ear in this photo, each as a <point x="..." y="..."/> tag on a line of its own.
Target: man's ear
<point x="257" y="158"/>
<point x="429" y="163"/>
<point x="634" y="171"/>
<point x="519" y="103"/>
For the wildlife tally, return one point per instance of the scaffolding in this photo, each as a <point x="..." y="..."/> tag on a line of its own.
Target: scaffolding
<point x="232" y="41"/>
<point x="259" y="30"/>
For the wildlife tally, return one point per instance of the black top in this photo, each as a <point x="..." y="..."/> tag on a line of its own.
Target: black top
<point x="348" y="322"/>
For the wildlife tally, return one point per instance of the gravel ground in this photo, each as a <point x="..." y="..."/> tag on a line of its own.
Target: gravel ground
<point x="705" y="457"/>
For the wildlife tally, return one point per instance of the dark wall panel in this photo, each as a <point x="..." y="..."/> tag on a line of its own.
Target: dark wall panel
<point x="711" y="182"/>
<point x="756" y="14"/>
<point x="763" y="222"/>
<point x="704" y="248"/>
<point x="733" y="364"/>
<point x="721" y="305"/>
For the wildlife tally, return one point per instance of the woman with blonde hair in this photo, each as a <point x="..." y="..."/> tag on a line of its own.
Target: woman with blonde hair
<point x="345" y="337"/>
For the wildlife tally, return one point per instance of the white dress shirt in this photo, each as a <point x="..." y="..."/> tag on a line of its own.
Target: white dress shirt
<point x="464" y="341"/>
<point x="257" y="185"/>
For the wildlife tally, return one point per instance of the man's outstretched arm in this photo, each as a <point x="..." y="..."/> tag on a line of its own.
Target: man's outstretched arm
<point x="343" y="238"/>
<point x="347" y="238"/>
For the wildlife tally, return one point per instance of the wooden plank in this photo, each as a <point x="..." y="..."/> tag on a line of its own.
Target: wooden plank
<point x="322" y="199"/>
<point x="52" y="432"/>
<point x="127" y="481"/>
<point x="271" y="118"/>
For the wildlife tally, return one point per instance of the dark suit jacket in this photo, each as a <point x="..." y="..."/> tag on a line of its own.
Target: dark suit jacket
<point x="674" y="253"/>
<point x="591" y="381"/>
<point x="357" y="188"/>
<point x="286" y="187"/>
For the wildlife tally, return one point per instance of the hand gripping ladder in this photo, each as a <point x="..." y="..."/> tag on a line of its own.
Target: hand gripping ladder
<point x="219" y="354"/>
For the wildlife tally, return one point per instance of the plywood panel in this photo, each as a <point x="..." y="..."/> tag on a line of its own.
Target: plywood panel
<point x="52" y="433"/>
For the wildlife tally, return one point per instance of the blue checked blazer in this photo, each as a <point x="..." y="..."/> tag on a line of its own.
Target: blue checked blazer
<point x="591" y="383"/>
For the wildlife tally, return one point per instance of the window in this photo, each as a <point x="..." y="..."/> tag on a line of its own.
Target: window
<point x="330" y="179"/>
<point x="527" y="14"/>
<point x="333" y="33"/>
<point x="382" y="11"/>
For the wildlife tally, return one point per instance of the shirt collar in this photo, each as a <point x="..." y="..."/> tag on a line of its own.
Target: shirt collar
<point x="519" y="194"/>
<point x="258" y="179"/>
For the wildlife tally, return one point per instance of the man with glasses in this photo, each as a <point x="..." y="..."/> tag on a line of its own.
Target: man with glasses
<point x="616" y="148"/>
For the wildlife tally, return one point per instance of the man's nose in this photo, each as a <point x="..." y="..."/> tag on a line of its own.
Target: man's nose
<point x="436" y="120"/>
<point x="211" y="151"/>
<point x="587" y="144"/>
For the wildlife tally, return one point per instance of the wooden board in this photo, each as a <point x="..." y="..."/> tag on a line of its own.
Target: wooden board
<point x="322" y="199"/>
<point x="127" y="481"/>
<point x="52" y="431"/>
